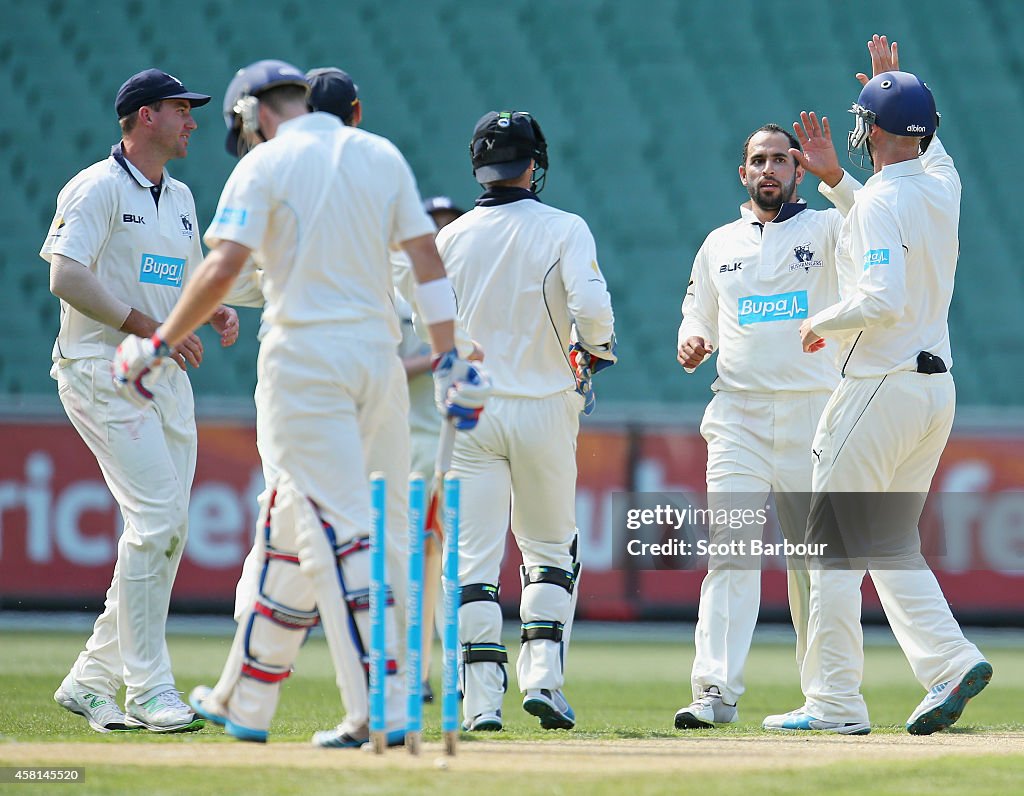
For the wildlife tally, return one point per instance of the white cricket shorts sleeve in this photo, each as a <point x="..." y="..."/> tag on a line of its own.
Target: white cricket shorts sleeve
<point x="881" y="292"/>
<point x="410" y="219"/>
<point x="843" y="195"/>
<point x="589" y="302"/>
<point x="937" y="163"/>
<point x="700" y="303"/>
<point x="244" y="206"/>
<point x="82" y="222"/>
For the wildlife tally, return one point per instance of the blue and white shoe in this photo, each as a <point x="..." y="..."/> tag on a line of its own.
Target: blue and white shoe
<point x="245" y="733"/>
<point x="944" y="704"/>
<point x="196" y="700"/>
<point x="347" y="736"/>
<point x="484" y="722"/>
<point x="800" y="720"/>
<point x="550" y="707"/>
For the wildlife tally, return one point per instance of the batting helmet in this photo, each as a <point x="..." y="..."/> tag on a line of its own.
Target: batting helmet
<point x="503" y="145"/>
<point x="251" y="81"/>
<point x="899" y="103"/>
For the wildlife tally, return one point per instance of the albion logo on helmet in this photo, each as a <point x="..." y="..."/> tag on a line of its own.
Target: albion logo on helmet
<point x="915" y="128"/>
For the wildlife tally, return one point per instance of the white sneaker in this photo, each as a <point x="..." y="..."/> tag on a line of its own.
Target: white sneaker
<point x="706" y="711"/>
<point x="800" y="720"/>
<point x="100" y="710"/>
<point x="163" y="713"/>
<point x="484" y="722"/>
<point x="550" y="707"/>
<point x="944" y="703"/>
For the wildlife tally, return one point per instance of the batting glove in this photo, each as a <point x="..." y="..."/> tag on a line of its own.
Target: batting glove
<point x="461" y="389"/>
<point x="586" y="360"/>
<point x="135" y="359"/>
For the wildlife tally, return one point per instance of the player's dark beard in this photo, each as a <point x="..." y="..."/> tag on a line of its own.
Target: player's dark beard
<point x="785" y="194"/>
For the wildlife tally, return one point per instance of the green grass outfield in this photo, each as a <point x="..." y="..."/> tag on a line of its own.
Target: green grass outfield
<point x="625" y="694"/>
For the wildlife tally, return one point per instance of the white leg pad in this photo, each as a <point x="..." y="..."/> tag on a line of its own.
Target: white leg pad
<point x="544" y="608"/>
<point x="266" y="645"/>
<point x="483" y="681"/>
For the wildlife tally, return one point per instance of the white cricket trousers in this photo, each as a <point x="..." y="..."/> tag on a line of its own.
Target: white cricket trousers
<point x="519" y="461"/>
<point x="757" y="443"/>
<point x="387" y="451"/>
<point x="881" y="434"/>
<point x="148" y="459"/>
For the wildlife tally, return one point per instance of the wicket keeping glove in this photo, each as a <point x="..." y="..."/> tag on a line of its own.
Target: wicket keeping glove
<point x="461" y="389"/>
<point x="586" y="360"/>
<point x="137" y="358"/>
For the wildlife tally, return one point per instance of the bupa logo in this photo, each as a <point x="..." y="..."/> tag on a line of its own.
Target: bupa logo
<point x="233" y="216"/>
<point x="156" y="269"/>
<point x="874" y="257"/>
<point x="915" y="128"/>
<point x="726" y="268"/>
<point x="780" y="307"/>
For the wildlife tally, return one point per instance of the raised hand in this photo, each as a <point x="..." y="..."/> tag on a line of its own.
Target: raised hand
<point x="818" y="155"/>
<point x="885" y="57"/>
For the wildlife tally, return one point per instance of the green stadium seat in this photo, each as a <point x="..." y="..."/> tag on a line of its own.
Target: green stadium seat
<point x="645" y="107"/>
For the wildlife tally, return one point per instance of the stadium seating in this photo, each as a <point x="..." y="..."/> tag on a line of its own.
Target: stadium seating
<point x="645" y="106"/>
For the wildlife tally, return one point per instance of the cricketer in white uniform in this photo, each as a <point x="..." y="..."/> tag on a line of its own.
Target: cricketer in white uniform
<point x="752" y="282"/>
<point x="526" y="275"/>
<point x="317" y="205"/>
<point x="333" y="91"/>
<point x="886" y="425"/>
<point x="121" y="246"/>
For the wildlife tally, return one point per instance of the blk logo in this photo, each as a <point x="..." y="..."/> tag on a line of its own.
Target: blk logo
<point x="128" y="218"/>
<point x="726" y="268"/>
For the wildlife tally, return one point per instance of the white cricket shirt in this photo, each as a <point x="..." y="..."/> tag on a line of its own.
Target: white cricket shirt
<point x="751" y="287"/>
<point x="523" y="273"/>
<point x="896" y="257"/>
<point x="320" y="228"/>
<point x="143" y="252"/>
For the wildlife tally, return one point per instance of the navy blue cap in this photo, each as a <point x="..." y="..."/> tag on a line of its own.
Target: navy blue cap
<point x="151" y="86"/>
<point x="332" y="90"/>
<point x="442" y="204"/>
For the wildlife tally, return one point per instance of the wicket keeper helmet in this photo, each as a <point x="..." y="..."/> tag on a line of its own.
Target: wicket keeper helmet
<point x="503" y="145"/>
<point x="241" y="100"/>
<point x="898" y="102"/>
